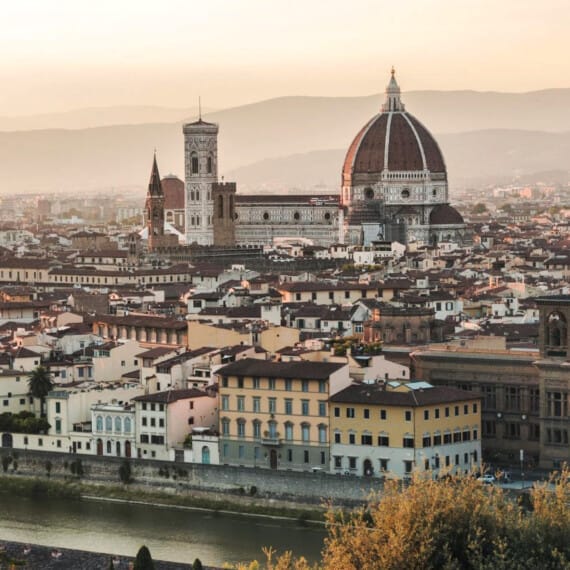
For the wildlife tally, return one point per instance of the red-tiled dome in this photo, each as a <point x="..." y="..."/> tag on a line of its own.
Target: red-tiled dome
<point x="393" y="140"/>
<point x="445" y="215"/>
<point x="173" y="189"/>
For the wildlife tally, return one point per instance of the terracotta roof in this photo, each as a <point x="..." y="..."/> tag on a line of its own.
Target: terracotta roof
<point x="409" y="142"/>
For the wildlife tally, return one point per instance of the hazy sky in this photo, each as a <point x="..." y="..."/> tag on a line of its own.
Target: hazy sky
<point x="63" y="54"/>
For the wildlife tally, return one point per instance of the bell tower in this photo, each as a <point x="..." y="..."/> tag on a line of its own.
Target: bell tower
<point x="154" y="209"/>
<point x="201" y="171"/>
<point x="223" y="197"/>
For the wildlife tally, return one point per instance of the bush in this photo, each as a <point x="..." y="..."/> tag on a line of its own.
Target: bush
<point x="125" y="473"/>
<point x="143" y="561"/>
<point x="76" y="468"/>
<point x="6" y="460"/>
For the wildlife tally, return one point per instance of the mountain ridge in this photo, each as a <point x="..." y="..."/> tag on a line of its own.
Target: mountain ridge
<point x="476" y="137"/>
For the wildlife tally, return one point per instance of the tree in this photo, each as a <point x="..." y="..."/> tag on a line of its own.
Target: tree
<point x="197" y="565"/>
<point x="143" y="561"/>
<point x="479" y="208"/>
<point x="125" y="473"/>
<point x="40" y="385"/>
<point x="454" y="523"/>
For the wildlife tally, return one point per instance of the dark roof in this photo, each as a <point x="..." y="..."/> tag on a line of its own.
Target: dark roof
<point x="156" y="352"/>
<point x="306" y="199"/>
<point x="444" y="215"/>
<point x="297" y="370"/>
<point x="377" y="394"/>
<point x="171" y="396"/>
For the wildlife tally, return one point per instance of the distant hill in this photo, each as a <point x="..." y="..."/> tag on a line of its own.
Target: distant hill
<point x="478" y="156"/>
<point x="96" y="117"/>
<point x="484" y="134"/>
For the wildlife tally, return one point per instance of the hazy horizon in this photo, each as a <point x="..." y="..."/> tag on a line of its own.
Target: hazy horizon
<point x="63" y="55"/>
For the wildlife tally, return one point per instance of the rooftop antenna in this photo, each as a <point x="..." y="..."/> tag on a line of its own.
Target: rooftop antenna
<point x="199" y="108"/>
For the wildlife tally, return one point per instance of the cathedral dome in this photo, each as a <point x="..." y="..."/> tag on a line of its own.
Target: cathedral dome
<point x="445" y="215"/>
<point x="394" y="140"/>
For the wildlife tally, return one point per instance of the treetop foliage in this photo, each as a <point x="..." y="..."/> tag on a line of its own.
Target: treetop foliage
<point x="455" y="523"/>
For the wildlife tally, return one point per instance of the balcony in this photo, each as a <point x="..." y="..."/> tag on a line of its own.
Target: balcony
<point x="271" y="438"/>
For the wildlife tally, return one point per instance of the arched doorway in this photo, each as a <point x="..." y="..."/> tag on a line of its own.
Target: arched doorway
<point x="127" y="448"/>
<point x="99" y="447"/>
<point x="206" y="455"/>
<point x="368" y="471"/>
<point x="7" y="440"/>
<point x="273" y="459"/>
<point x="118" y="446"/>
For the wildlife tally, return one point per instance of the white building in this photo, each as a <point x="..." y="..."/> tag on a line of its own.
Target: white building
<point x="165" y="419"/>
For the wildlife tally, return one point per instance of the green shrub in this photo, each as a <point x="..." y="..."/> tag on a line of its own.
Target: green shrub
<point x="125" y="473"/>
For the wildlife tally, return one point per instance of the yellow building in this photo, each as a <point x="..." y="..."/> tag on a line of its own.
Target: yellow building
<point x="270" y="338"/>
<point x="276" y="414"/>
<point x="393" y="428"/>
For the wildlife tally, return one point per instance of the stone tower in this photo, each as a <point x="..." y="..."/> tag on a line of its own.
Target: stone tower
<point x="154" y="209"/>
<point x="201" y="171"/>
<point x="223" y="217"/>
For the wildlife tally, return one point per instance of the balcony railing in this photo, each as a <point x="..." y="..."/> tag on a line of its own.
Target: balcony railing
<point x="271" y="439"/>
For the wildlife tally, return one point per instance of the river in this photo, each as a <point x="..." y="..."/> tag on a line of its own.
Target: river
<point x="170" y="534"/>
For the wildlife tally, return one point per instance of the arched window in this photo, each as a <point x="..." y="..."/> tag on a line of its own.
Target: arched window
<point x="220" y="207"/>
<point x="322" y="433"/>
<point x="256" y="429"/>
<point x="99" y="423"/>
<point x="108" y="423"/>
<point x="369" y="193"/>
<point x="225" y="426"/>
<point x="241" y="427"/>
<point x="118" y="424"/>
<point x="305" y="432"/>
<point x="296" y="216"/>
<point x="209" y="165"/>
<point x="205" y="455"/>
<point x="127" y="425"/>
<point x="556" y="330"/>
<point x="194" y="163"/>
<point x="109" y="448"/>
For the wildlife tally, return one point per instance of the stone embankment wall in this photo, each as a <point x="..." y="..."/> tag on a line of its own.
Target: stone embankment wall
<point x="172" y="477"/>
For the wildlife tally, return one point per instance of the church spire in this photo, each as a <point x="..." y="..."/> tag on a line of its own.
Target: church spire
<point x="154" y="185"/>
<point x="393" y="101"/>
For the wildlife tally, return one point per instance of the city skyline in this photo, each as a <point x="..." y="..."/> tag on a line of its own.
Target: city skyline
<point x="61" y="56"/>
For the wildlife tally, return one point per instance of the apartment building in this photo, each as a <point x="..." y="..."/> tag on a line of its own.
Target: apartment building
<point x="165" y="419"/>
<point x="393" y="428"/>
<point x="276" y="414"/>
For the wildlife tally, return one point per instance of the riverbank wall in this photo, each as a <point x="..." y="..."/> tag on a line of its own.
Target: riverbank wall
<point x="240" y="488"/>
<point x="35" y="556"/>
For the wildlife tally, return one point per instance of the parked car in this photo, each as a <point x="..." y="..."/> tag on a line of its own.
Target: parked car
<point x="487" y="479"/>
